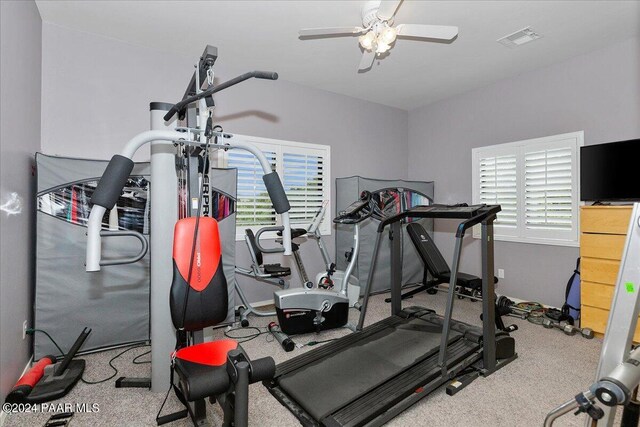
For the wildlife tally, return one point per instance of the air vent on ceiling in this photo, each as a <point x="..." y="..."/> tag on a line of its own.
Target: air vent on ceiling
<point x="519" y="38"/>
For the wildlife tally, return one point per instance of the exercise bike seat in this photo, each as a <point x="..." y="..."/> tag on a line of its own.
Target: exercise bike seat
<point x="273" y="270"/>
<point x="295" y="232"/>
<point x="276" y="270"/>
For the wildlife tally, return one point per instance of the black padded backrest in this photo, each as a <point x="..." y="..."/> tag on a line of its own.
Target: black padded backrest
<point x="197" y="299"/>
<point x="428" y="251"/>
<point x="253" y="247"/>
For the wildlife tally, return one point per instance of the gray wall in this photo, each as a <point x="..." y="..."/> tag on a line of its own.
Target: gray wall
<point x="96" y="93"/>
<point x="598" y="92"/>
<point x="20" y="65"/>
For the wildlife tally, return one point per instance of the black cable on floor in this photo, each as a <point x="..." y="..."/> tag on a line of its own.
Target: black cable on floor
<point x="137" y="362"/>
<point x="115" y="370"/>
<point x="245" y="338"/>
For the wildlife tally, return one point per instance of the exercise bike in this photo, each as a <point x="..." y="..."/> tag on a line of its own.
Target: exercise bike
<point x="305" y="310"/>
<point x="274" y="274"/>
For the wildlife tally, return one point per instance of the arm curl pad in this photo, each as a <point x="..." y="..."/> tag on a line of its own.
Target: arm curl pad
<point x="276" y="192"/>
<point x="112" y="182"/>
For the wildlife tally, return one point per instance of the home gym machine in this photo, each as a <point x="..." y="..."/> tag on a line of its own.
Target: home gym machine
<point x="304" y="310"/>
<point x="405" y="357"/>
<point x="619" y="368"/>
<point x="183" y="129"/>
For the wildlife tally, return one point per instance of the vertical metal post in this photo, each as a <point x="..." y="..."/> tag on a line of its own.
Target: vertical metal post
<point x="488" y="298"/>
<point x="446" y="322"/>
<point x="164" y="214"/>
<point x="241" y="404"/>
<point x="367" y="288"/>
<point x="625" y="308"/>
<point x="396" y="268"/>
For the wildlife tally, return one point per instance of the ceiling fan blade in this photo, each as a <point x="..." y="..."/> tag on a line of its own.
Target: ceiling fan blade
<point x="330" y="31"/>
<point x="443" y="32"/>
<point x="367" y="60"/>
<point x="387" y="9"/>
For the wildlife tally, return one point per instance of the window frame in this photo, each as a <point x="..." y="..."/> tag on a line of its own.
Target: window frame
<point x="279" y="146"/>
<point x="521" y="233"/>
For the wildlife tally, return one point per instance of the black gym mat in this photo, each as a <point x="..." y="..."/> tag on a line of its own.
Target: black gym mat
<point x="332" y="382"/>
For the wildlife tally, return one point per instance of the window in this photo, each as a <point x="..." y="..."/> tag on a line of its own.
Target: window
<point x="304" y="171"/>
<point x="536" y="183"/>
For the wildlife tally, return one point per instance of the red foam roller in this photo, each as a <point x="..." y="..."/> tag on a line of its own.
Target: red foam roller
<point x="36" y="372"/>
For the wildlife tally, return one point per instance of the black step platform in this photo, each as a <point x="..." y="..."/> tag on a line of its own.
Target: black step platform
<point x="356" y="379"/>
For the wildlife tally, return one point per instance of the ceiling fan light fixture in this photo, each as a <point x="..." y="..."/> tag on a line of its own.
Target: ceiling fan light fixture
<point x="387" y="35"/>
<point x="367" y="40"/>
<point x="382" y="47"/>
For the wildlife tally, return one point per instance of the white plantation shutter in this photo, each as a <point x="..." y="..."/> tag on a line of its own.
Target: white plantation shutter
<point x="304" y="171"/>
<point x="253" y="206"/>
<point x="304" y="183"/>
<point x="498" y="186"/>
<point x="548" y="189"/>
<point x="536" y="183"/>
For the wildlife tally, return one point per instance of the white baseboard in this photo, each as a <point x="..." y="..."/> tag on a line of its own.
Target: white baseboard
<point x="262" y="303"/>
<point x="3" y="415"/>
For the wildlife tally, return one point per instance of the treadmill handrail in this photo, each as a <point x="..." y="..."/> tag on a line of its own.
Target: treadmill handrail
<point x="485" y="211"/>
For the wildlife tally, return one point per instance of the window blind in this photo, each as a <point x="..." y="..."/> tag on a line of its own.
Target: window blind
<point x="254" y="206"/>
<point x="548" y="189"/>
<point x="498" y="186"/>
<point x="304" y="184"/>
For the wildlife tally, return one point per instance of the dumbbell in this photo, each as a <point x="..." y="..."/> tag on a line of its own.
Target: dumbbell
<point x="564" y="327"/>
<point x="585" y="332"/>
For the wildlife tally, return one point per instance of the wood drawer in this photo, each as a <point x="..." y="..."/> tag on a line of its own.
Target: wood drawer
<point x="606" y="246"/>
<point x="596" y="295"/>
<point x="597" y="318"/>
<point x="599" y="270"/>
<point x="605" y="219"/>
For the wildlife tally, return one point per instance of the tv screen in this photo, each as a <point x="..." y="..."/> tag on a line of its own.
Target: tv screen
<point x="610" y="172"/>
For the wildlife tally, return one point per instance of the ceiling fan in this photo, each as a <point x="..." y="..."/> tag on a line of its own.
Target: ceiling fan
<point x="377" y="34"/>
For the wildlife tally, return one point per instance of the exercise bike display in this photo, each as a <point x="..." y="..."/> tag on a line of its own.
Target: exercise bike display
<point x="303" y="310"/>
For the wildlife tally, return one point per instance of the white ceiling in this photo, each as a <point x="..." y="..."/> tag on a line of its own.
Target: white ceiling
<point x="262" y="35"/>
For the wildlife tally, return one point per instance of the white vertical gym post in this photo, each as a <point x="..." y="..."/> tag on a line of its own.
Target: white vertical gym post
<point x="625" y="308"/>
<point x="164" y="215"/>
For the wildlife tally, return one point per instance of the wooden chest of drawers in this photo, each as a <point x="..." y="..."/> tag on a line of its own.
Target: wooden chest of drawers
<point x="603" y="232"/>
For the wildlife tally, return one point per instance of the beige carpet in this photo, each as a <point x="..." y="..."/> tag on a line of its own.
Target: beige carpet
<point x="551" y="368"/>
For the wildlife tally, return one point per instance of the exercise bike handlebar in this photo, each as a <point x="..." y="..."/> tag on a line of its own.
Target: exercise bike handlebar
<point x="180" y="106"/>
<point x="264" y="230"/>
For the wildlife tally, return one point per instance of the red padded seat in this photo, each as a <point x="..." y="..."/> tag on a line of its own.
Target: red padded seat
<point x="208" y="353"/>
<point x="202" y="369"/>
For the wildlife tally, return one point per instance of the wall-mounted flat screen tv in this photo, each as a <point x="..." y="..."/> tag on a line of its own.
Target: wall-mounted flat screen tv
<point x="610" y="172"/>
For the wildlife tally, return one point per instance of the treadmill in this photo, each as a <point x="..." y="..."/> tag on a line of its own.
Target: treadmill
<point x="372" y="375"/>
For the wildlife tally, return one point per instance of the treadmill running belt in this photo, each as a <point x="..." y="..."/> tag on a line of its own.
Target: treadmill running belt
<point x="332" y="382"/>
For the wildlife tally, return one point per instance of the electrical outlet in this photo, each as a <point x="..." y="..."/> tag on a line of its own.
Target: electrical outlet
<point x="24" y="329"/>
<point x="500" y="273"/>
